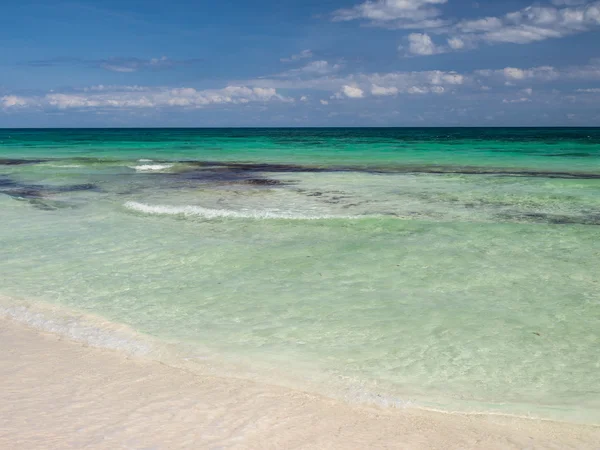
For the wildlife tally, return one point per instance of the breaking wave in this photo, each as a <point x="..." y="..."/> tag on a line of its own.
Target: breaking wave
<point x="208" y="213"/>
<point x="152" y="167"/>
<point x="87" y="329"/>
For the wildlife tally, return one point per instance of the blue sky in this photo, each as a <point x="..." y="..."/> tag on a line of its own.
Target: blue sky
<point x="87" y="63"/>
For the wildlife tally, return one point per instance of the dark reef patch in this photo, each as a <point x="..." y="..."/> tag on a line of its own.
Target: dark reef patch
<point x="20" y="162"/>
<point x="570" y="155"/>
<point x="37" y="195"/>
<point x="554" y="219"/>
<point x="6" y="182"/>
<point x="234" y="169"/>
<point x="263" y="182"/>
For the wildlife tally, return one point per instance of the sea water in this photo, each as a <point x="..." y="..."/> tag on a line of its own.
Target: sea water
<point x="453" y="269"/>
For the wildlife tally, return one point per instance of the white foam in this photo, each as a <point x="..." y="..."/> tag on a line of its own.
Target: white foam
<point x="152" y="167"/>
<point x="88" y="330"/>
<point x="145" y="160"/>
<point x="207" y="213"/>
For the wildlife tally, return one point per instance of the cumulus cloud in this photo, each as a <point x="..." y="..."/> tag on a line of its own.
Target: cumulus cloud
<point x="311" y="69"/>
<point x="422" y="44"/>
<point x="531" y="24"/>
<point x="421" y="90"/>
<point x="517" y="100"/>
<point x="377" y="84"/>
<point x="145" y="98"/>
<point x="304" y="54"/>
<point x="456" y="43"/>
<point x="510" y="83"/>
<point x="14" y="101"/>
<point x="534" y="23"/>
<point x="395" y="13"/>
<point x="352" y="91"/>
<point x="383" y="91"/>
<point x="515" y="74"/>
<point x="438" y="77"/>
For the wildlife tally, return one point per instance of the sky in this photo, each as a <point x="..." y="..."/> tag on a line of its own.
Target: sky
<point x="230" y="63"/>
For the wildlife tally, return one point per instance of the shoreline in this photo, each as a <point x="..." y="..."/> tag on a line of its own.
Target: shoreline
<point x="59" y="393"/>
<point x="92" y="330"/>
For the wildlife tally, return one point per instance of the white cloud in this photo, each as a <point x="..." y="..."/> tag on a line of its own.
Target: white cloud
<point x="531" y="24"/>
<point x="515" y="74"/>
<point x="395" y="13"/>
<point x="146" y="98"/>
<point x="377" y="84"/>
<point x="569" y="2"/>
<point x="422" y="44"/>
<point x="352" y="91"/>
<point x="117" y="68"/>
<point x="439" y="77"/>
<point x="485" y="24"/>
<point x="311" y="69"/>
<point x="324" y="102"/>
<point x="523" y="34"/>
<point x="535" y="23"/>
<point x="320" y="67"/>
<point x="456" y="43"/>
<point x="521" y="81"/>
<point x="422" y="90"/>
<point x="115" y="88"/>
<point x="12" y="101"/>
<point x="134" y="64"/>
<point x="383" y="91"/>
<point x="418" y="90"/>
<point x="304" y="54"/>
<point x="517" y="100"/>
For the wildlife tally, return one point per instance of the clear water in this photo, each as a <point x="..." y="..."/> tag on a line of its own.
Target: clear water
<point x="456" y="269"/>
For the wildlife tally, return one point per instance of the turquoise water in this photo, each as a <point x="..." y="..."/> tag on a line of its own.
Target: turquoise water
<point x="454" y="269"/>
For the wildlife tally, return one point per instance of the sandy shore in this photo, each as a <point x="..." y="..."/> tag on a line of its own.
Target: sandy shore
<point x="59" y="394"/>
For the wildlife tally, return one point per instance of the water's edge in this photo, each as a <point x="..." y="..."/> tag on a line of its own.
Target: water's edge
<point x="95" y="331"/>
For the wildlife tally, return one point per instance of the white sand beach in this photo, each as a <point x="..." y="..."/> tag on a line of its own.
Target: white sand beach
<point x="61" y="394"/>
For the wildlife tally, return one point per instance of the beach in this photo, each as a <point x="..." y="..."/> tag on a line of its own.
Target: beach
<point x="396" y="285"/>
<point x="341" y="224"/>
<point x="57" y="394"/>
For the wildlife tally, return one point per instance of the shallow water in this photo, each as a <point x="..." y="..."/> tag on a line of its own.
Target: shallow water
<point x="452" y="269"/>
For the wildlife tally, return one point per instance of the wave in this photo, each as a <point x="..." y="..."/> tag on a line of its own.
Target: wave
<point x="85" y="328"/>
<point x="208" y="213"/>
<point x="98" y="332"/>
<point x="152" y="167"/>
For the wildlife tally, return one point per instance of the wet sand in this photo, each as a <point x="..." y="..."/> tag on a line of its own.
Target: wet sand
<point x="60" y="394"/>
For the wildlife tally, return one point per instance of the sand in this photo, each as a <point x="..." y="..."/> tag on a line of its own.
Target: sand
<point x="60" y="394"/>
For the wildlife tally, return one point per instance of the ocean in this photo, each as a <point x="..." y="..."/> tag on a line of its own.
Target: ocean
<point x="454" y="269"/>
